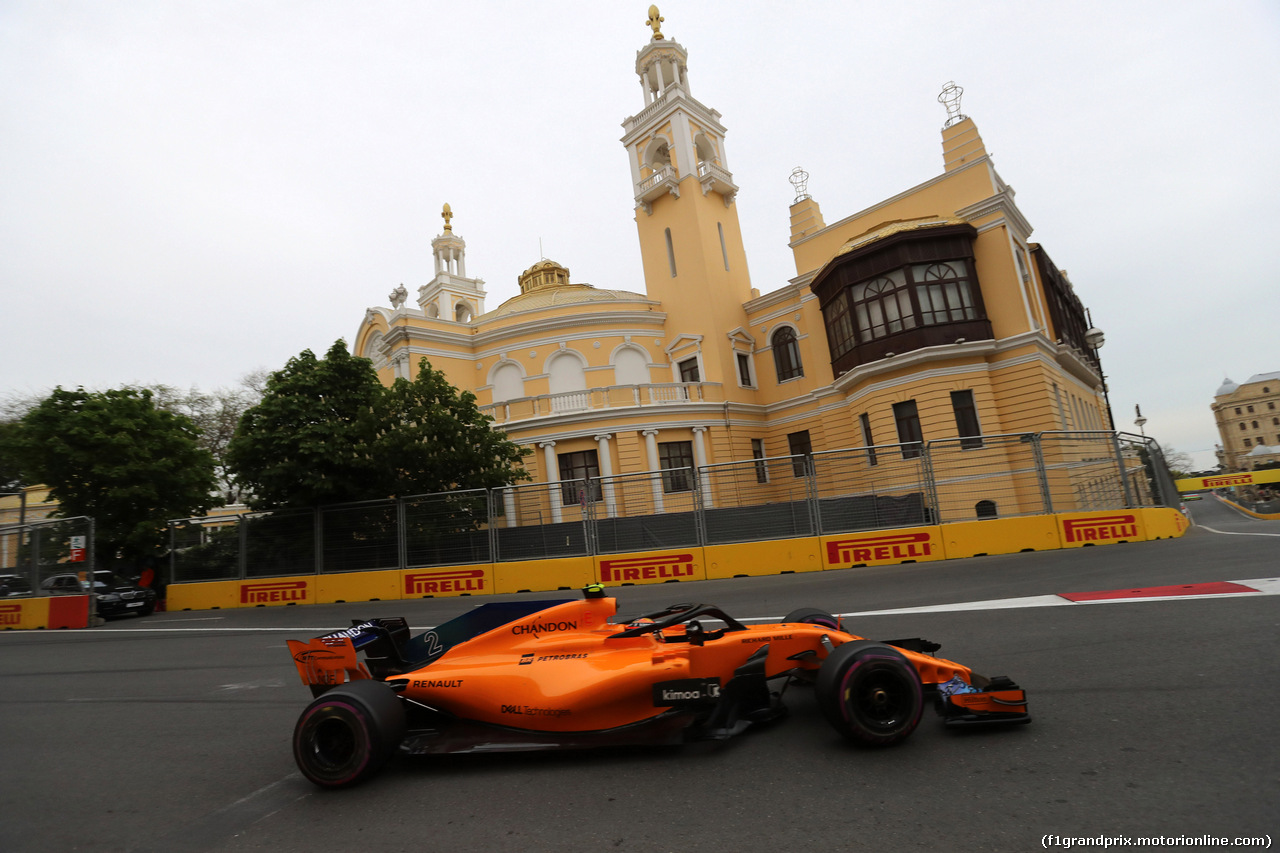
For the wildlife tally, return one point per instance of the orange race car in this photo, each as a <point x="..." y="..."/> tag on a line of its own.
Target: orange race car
<point x="527" y="675"/>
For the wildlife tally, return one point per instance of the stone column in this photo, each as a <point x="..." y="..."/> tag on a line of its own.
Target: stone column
<point x="655" y="483"/>
<point x="700" y="460"/>
<point x="553" y="477"/>
<point x="606" y="473"/>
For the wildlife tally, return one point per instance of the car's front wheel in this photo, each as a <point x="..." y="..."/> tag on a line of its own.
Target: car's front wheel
<point x="346" y="735"/>
<point x="813" y="616"/>
<point x="870" y="693"/>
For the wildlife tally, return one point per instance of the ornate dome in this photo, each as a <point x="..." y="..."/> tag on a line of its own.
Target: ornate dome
<point x="1227" y="387"/>
<point x="544" y="273"/>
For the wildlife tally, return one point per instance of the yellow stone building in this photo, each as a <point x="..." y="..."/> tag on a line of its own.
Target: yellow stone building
<point x="930" y="315"/>
<point x="1248" y="419"/>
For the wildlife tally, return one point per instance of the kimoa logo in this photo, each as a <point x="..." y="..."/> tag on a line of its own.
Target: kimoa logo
<point x="864" y="549"/>
<point x="647" y="568"/>
<point x="460" y="580"/>
<point x="1100" y="529"/>
<point x="267" y="593"/>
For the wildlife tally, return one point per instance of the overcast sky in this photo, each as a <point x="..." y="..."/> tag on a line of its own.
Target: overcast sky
<point x="190" y="191"/>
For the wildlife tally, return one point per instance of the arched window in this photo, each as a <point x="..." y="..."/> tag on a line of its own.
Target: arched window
<point x="786" y="354"/>
<point x="630" y="367"/>
<point x="507" y="382"/>
<point x="883" y="306"/>
<point x="462" y="312"/>
<point x="568" y="381"/>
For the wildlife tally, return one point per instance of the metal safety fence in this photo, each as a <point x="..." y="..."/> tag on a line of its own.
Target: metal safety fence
<point x="48" y="557"/>
<point x="840" y="491"/>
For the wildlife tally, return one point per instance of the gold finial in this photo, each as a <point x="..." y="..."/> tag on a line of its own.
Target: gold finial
<point x="655" y="21"/>
<point x="448" y="216"/>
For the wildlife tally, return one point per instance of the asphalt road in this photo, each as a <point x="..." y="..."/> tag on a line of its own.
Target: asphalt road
<point x="1152" y="718"/>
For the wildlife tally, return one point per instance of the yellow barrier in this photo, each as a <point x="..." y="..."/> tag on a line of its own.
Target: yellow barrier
<point x="1164" y="522"/>
<point x="712" y="562"/>
<point x="207" y="595"/>
<point x="358" y="586"/>
<point x="63" y="611"/>
<point x="277" y="592"/>
<point x="1000" y="536"/>
<point x="882" y="547"/>
<point x="1108" y="527"/>
<point x="445" y="581"/>
<point x="675" y="564"/>
<point x="771" y="557"/>
<point x="537" y="575"/>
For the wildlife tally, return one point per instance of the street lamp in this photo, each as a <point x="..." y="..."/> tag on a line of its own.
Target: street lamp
<point x="1095" y="338"/>
<point x="1140" y="421"/>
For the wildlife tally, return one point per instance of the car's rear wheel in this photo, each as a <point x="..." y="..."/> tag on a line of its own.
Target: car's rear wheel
<point x="346" y="735"/>
<point x="870" y="693"/>
<point x="813" y="616"/>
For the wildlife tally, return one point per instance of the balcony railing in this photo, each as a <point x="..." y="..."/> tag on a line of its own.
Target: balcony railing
<point x="609" y="397"/>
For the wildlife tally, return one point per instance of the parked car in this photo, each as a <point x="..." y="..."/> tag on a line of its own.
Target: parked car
<point x="14" y="585"/>
<point x="116" y="596"/>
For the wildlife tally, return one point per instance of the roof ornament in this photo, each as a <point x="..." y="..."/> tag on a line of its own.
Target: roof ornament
<point x="447" y="213"/>
<point x="950" y="98"/>
<point x="398" y="296"/>
<point x="655" y="21"/>
<point x="800" y="180"/>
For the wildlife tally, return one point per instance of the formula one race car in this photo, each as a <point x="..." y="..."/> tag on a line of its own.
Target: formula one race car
<point x="530" y="675"/>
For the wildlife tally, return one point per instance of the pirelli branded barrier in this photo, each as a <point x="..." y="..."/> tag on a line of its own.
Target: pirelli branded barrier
<point x="1227" y="481"/>
<point x="61" y="611"/>
<point x="712" y="562"/>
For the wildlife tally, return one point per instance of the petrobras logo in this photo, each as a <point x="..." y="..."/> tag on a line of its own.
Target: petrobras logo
<point x="1233" y="480"/>
<point x="10" y="614"/>
<point x="279" y="592"/>
<point x="866" y="549"/>
<point x="1108" y="528"/>
<point x="653" y="567"/>
<point x="435" y="583"/>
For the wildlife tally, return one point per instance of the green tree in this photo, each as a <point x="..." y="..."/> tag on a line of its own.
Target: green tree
<point x="116" y="457"/>
<point x="327" y="431"/>
<point x="216" y="415"/>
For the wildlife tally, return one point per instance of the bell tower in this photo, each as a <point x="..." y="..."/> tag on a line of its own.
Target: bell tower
<point x="690" y="239"/>
<point x="450" y="295"/>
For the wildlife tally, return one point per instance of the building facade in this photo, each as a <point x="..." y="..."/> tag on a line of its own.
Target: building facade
<point x="929" y="315"/>
<point x="1248" y="419"/>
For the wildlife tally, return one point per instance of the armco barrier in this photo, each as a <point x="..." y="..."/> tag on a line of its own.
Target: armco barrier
<point x="712" y="562"/>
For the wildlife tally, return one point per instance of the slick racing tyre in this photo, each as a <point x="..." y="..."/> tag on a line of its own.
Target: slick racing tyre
<point x="870" y="693"/>
<point x="346" y="735"/>
<point x="813" y="616"/>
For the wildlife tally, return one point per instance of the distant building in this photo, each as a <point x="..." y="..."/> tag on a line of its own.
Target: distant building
<point x="1248" y="418"/>
<point x="928" y="315"/>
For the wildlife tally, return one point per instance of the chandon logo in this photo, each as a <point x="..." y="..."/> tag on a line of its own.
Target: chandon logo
<point x="543" y="627"/>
